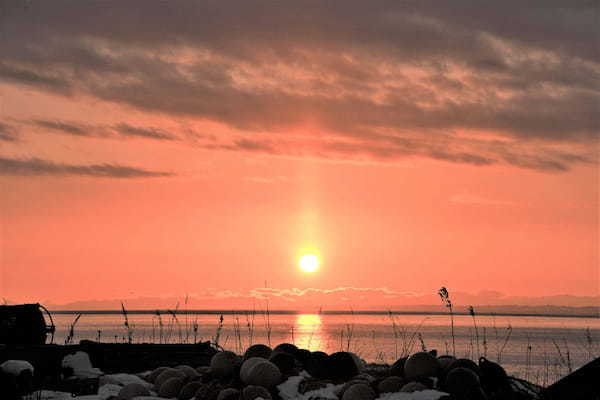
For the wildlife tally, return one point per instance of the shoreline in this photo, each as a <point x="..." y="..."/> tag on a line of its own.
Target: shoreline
<point x="324" y="312"/>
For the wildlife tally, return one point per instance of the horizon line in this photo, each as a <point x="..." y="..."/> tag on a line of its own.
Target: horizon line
<point x="320" y="312"/>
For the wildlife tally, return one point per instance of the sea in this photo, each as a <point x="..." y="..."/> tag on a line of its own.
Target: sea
<point x="540" y="349"/>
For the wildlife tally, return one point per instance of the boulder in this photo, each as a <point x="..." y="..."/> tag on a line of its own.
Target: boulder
<point x="264" y="373"/>
<point x="258" y="350"/>
<point x="391" y="384"/>
<point x="189" y="390"/>
<point x="171" y="387"/>
<point x="253" y="392"/>
<point x="421" y="365"/>
<point x="223" y="364"/>
<point x="359" y="391"/>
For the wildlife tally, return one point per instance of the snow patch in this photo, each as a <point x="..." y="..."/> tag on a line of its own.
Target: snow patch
<point x="421" y="395"/>
<point x="125" y="379"/>
<point x="15" y="367"/>
<point x="81" y="365"/>
<point x="53" y="395"/>
<point x="108" y="390"/>
<point x="289" y="390"/>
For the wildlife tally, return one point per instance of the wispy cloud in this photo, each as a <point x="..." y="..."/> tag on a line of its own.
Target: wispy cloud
<point x="65" y="127"/>
<point x="39" y="167"/>
<point x="150" y="133"/>
<point x="121" y="130"/>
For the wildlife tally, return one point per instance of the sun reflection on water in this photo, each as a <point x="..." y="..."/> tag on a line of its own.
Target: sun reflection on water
<point x="308" y="331"/>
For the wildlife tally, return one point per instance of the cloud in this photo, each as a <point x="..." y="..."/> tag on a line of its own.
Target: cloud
<point x="8" y="133"/>
<point x="39" y="167"/>
<point x="266" y="293"/>
<point x="28" y="77"/>
<point x="64" y="127"/>
<point x="382" y="81"/>
<point x="122" y="130"/>
<point x="151" y="133"/>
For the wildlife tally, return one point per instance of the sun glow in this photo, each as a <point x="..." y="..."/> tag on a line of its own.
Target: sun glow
<point x="309" y="263"/>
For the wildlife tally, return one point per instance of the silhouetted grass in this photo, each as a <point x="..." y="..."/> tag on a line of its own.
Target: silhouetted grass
<point x="71" y="335"/>
<point x="445" y="296"/>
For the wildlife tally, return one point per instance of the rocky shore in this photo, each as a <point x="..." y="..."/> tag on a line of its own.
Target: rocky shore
<point x="287" y="372"/>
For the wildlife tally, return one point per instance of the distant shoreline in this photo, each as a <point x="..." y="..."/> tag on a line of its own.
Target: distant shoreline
<point x="324" y="312"/>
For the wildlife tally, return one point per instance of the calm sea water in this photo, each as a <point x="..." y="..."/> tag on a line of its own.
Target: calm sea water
<point x="540" y="349"/>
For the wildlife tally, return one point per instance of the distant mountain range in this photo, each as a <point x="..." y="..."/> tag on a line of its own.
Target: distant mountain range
<point x="346" y="299"/>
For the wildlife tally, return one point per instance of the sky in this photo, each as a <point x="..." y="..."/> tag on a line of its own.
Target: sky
<point x="153" y="149"/>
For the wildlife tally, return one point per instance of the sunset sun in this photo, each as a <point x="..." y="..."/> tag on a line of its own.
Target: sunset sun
<point x="308" y="263"/>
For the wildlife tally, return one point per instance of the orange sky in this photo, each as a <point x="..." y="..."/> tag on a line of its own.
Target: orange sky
<point x="411" y="149"/>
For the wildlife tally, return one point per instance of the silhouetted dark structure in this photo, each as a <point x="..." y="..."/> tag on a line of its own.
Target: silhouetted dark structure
<point x="582" y="384"/>
<point x="24" y="324"/>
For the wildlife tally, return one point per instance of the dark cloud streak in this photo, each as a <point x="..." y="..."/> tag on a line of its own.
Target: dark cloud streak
<point x="150" y="133"/>
<point x="39" y="167"/>
<point x="121" y="130"/>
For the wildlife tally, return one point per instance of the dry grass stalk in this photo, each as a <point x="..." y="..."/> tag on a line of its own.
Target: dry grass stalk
<point x="218" y="332"/>
<point x="128" y="327"/>
<point x="71" y="335"/>
<point x="445" y="296"/>
<point x="472" y="313"/>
